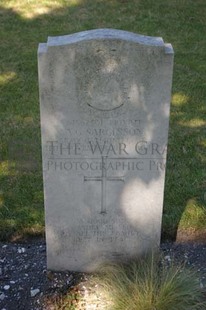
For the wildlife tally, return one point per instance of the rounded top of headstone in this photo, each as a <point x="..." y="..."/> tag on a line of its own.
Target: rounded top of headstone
<point x="104" y="34"/>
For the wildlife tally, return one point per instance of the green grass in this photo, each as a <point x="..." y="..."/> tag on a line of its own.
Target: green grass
<point x="149" y="284"/>
<point x="25" y="23"/>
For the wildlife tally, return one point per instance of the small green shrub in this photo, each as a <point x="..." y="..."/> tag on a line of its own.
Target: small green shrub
<point x="63" y="301"/>
<point x="152" y="284"/>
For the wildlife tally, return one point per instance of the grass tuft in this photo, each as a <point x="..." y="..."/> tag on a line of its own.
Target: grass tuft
<point x="152" y="284"/>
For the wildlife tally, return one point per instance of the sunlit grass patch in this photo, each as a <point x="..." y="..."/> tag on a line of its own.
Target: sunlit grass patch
<point x="195" y="213"/>
<point x="193" y="123"/>
<point x="29" y="9"/>
<point x="179" y="99"/>
<point x="7" y="77"/>
<point x="7" y="168"/>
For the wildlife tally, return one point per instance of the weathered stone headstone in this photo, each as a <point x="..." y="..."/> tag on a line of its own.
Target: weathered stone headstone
<point x="105" y="99"/>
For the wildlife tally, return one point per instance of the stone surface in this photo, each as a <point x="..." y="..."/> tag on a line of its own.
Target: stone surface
<point x="105" y="99"/>
<point x="34" y="292"/>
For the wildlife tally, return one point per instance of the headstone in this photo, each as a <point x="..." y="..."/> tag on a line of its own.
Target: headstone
<point x="105" y="100"/>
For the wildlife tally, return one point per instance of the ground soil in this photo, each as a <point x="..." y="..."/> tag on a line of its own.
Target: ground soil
<point x="26" y="284"/>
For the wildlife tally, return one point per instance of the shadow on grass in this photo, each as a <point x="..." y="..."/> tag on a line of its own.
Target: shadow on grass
<point x="179" y="22"/>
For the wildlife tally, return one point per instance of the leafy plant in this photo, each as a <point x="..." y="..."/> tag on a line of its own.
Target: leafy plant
<point x="64" y="301"/>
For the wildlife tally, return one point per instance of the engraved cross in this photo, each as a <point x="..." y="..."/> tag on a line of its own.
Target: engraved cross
<point x="103" y="179"/>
